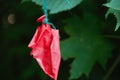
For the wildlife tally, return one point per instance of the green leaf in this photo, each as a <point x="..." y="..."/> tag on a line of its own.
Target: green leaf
<point x="117" y="15"/>
<point x="56" y="6"/>
<point x="114" y="7"/>
<point x="115" y="4"/>
<point x="25" y="1"/>
<point x="85" y="44"/>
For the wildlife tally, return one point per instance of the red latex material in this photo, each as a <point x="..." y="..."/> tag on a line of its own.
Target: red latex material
<point x="46" y="49"/>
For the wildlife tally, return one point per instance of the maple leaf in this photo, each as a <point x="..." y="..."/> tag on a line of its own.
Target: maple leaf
<point x="114" y="7"/>
<point x="85" y="44"/>
<point x="56" y="6"/>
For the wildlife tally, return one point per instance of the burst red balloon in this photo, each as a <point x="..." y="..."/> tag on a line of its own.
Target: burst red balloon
<point x="46" y="48"/>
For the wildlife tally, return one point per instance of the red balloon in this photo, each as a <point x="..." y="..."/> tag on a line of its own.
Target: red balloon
<point x="46" y="48"/>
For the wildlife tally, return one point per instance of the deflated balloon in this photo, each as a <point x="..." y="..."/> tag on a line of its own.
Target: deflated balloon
<point x="46" y="48"/>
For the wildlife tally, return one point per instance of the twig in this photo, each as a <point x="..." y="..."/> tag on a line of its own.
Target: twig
<point x="112" y="36"/>
<point x="112" y="68"/>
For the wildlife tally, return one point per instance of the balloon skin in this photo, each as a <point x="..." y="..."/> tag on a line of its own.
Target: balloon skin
<point x="46" y="48"/>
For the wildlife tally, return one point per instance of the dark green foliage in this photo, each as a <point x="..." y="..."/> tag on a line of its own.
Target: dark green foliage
<point x="85" y="45"/>
<point x="90" y="48"/>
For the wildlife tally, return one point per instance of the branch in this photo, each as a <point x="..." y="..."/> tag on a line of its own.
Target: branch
<point x="112" y="68"/>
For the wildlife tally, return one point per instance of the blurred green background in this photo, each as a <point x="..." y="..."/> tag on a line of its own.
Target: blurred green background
<point x="84" y="33"/>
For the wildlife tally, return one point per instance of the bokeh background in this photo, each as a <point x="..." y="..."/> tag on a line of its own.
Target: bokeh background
<point x="18" y="24"/>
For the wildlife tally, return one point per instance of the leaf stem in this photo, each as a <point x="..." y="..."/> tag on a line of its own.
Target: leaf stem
<point x="112" y="68"/>
<point x="112" y="36"/>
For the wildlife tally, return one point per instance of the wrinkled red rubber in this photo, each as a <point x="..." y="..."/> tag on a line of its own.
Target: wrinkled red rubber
<point x="46" y="48"/>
